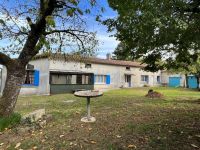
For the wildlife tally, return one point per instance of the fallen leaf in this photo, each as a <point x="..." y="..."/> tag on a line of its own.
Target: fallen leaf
<point x="89" y="129"/>
<point x="118" y="136"/>
<point x="35" y="147"/>
<point x="197" y="136"/>
<point x="61" y="136"/>
<point x="17" y="145"/>
<point x="77" y="112"/>
<point x="70" y="143"/>
<point x="93" y="142"/>
<point x="195" y="146"/>
<point x="1" y="144"/>
<point x="132" y="146"/>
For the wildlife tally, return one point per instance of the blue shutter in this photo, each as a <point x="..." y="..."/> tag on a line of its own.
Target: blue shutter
<point x="107" y="79"/>
<point x="93" y="78"/>
<point x="36" y="78"/>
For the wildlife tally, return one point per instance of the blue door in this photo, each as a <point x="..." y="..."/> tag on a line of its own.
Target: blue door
<point x="192" y="82"/>
<point x="174" y="81"/>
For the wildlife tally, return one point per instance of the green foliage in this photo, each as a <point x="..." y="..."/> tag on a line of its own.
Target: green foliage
<point x="122" y="52"/>
<point x="158" y="30"/>
<point x="50" y="21"/>
<point x="63" y="30"/>
<point x="8" y="122"/>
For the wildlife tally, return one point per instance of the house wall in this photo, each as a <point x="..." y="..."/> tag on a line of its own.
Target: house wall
<point x="117" y="73"/>
<point x="4" y="72"/>
<point x="43" y="89"/>
<point x="165" y="78"/>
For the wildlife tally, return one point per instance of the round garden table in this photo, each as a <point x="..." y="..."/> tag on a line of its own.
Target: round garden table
<point x="88" y="94"/>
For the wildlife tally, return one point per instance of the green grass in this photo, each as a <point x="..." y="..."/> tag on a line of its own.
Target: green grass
<point x="9" y="122"/>
<point x="124" y="117"/>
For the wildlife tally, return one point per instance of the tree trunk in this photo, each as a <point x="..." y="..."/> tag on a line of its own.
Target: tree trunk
<point x="186" y="81"/>
<point x="14" y="80"/>
<point x="197" y="82"/>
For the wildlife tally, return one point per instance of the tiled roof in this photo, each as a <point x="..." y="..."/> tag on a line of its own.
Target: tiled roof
<point x="93" y="60"/>
<point x="115" y="62"/>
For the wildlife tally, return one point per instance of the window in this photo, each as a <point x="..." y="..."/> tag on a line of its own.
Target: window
<point x="144" y="78"/>
<point x="158" y="79"/>
<point x="86" y="79"/>
<point x="128" y="68"/>
<point x="88" y="65"/>
<point x="79" y="79"/>
<point x="29" y="77"/>
<point x="71" y="79"/>
<point x="100" y="79"/>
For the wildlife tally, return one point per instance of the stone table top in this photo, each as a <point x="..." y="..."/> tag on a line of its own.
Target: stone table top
<point x="88" y="93"/>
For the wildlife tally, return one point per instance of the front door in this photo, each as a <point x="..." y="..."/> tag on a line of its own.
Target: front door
<point x="128" y="80"/>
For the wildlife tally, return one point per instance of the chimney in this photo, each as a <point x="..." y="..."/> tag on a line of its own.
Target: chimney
<point x="108" y="56"/>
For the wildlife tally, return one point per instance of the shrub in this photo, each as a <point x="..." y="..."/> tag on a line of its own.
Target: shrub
<point x="145" y="85"/>
<point x="8" y="122"/>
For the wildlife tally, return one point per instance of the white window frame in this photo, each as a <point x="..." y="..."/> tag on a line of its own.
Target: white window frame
<point x="144" y="77"/>
<point x="100" y="79"/>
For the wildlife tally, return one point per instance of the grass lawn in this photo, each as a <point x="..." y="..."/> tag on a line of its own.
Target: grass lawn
<point x="125" y="120"/>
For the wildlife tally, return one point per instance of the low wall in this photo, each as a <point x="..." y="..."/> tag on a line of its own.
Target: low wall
<point x="58" y="89"/>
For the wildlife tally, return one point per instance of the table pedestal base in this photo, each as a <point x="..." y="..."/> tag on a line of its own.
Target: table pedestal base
<point x="91" y="119"/>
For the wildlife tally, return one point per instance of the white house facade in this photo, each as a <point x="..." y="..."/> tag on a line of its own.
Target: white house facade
<point x="47" y="76"/>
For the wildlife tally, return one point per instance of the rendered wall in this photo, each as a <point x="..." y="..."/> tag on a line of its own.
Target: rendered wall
<point x="43" y="88"/>
<point x="117" y="73"/>
<point x="165" y="78"/>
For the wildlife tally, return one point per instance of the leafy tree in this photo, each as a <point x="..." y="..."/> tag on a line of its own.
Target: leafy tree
<point x="195" y="70"/>
<point x="160" y="32"/>
<point x="35" y="26"/>
<point x="122" y="52"/>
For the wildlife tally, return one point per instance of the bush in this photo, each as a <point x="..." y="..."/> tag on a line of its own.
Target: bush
<point x="8" y="122"/>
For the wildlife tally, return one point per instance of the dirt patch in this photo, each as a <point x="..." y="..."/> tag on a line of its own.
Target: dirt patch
<point x="154" y="94"/>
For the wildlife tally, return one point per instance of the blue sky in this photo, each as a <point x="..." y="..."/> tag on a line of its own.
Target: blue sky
<point x="107" y="44"/>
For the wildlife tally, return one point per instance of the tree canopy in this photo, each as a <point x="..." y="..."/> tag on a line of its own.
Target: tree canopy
<point x="59" y="24"/>
<point x="32" y="26"/>
<point x="160" y="32"/>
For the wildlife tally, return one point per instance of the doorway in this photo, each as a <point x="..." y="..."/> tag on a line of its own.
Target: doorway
<point x="128" y="80"/>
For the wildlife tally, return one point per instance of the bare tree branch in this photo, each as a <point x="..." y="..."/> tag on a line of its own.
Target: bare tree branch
<point x="71" y="33"/>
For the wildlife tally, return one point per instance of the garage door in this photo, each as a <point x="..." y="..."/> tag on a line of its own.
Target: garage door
<point x="174" y="81"/>
<point x="192" y="82"/>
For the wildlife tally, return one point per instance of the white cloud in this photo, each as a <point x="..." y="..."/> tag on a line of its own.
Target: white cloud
<point x="106" y="44"/>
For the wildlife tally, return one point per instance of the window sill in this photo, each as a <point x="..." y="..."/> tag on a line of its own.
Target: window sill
<point x="99" y="83"/>
<point x="29" y="85"/>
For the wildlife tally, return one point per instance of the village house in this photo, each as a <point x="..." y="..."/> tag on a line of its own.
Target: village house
<point x="47" y="76"/>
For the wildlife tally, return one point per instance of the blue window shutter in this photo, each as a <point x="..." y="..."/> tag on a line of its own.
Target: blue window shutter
<point x="93" y="79"/>
<point x="107" y="79"/>
<point x="36" y="78"/>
